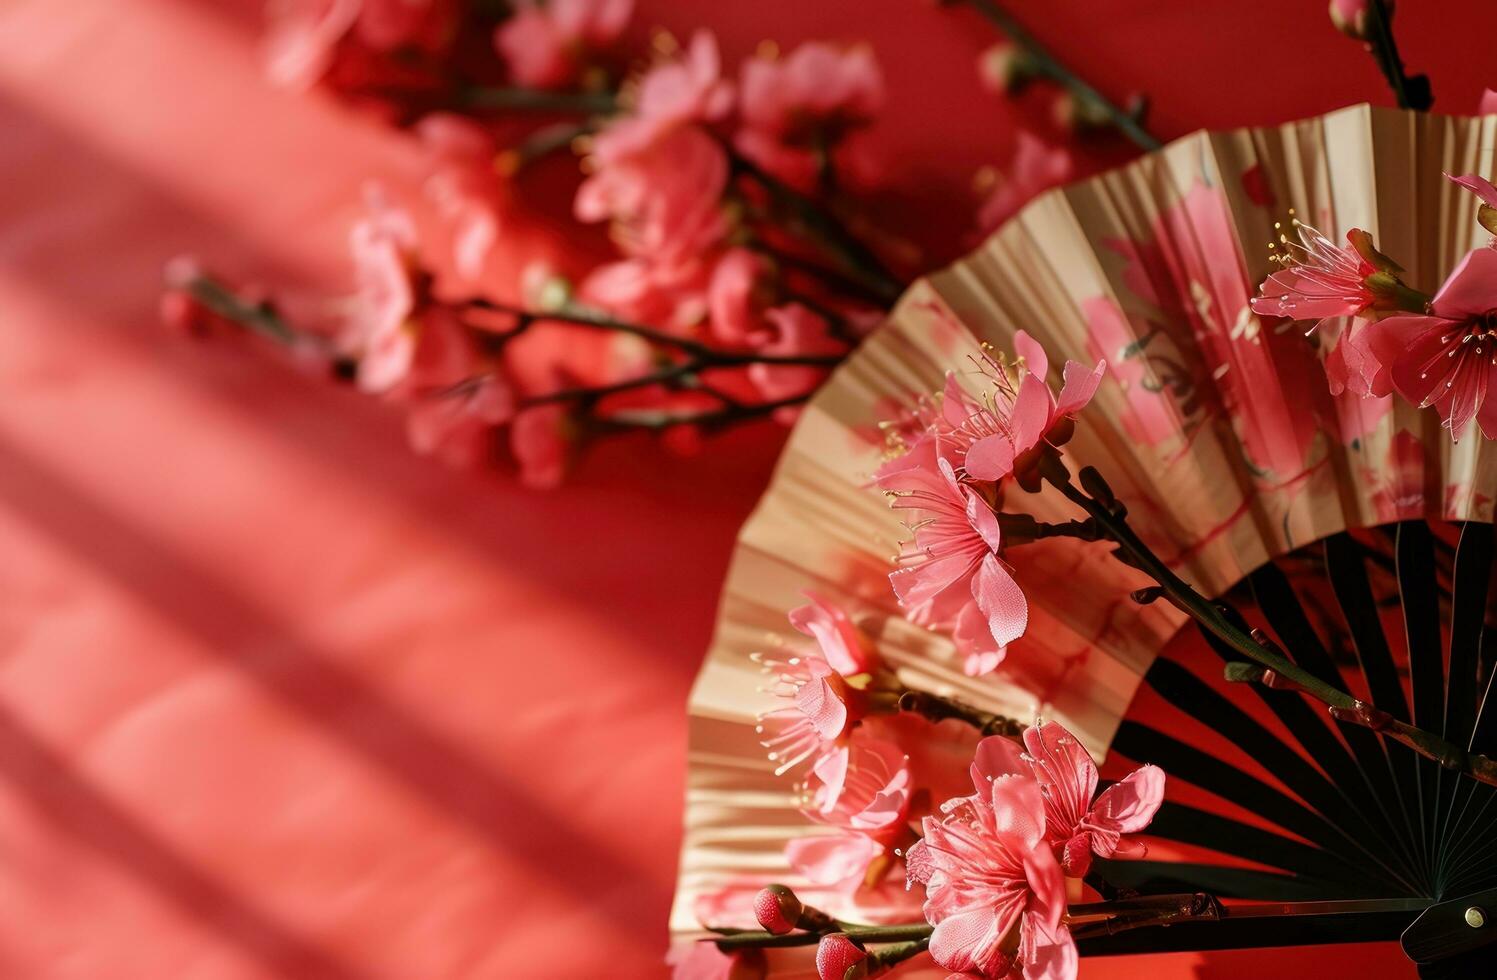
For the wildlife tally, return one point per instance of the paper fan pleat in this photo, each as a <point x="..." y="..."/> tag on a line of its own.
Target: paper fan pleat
<point x="1215" y="426"/>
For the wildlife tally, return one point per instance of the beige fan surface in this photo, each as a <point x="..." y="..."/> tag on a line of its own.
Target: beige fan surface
<point x="1214" y="426"/>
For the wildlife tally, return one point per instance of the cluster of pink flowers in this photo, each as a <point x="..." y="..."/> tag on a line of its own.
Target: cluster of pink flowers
<point x="1438" y="351"/>
<point x="720" y="306"/>
<point x="664" y="180"/>
<point x="952" y="474"/>
<point x="994" y="863"/>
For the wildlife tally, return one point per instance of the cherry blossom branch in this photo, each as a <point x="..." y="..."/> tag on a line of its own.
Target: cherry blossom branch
<point x="518" y="99"/>
<point x="262" y="318"/>
<point x="1410" y="92"/>
<point x="732" y="413"/>
<point x="1110" y="515"/>
<point x="1047" y="66"/>
<point x="756" y="939"/>
<point x="857" y="259"/>
<point x="935" y="708"/>
<point x="707" y="355"/>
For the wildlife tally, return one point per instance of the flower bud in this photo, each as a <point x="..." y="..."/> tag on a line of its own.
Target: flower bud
<point x="777" y="909"/>
<point x="180" y="312"/>
<point x="839" y="958"/>
<point x="1350" y="16"/>
<point x="1006" y="68"/>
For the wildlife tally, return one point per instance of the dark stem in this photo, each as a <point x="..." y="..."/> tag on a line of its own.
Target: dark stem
<point x="708" y="355"/>
<point x="1409" y="92"/>
<point x="831" y="277"/>
<point x="1111" y="518"/>
<point x="1049" y="67"/>
<point x="935" y="708"/>
<point x="856" y="259"/>
<point x="865" y="934"/>
<point x="536" y="100"/>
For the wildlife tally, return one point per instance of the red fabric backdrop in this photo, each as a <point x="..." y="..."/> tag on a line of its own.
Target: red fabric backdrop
<point x="278" y="699"/>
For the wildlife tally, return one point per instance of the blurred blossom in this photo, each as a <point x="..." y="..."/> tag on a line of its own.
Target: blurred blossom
<point x="799" y="111"/>
<point x="547" y="45"/>
<point x="304" y="37"/>
<point x="464" y="186"/>
<point x="1035" y="168"/>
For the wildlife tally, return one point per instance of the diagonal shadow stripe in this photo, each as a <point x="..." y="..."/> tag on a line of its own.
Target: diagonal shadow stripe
<point x="327" y="696"/>
<point x="46" y="781"/>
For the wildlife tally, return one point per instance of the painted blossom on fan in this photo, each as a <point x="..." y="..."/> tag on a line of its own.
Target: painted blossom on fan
<point x="1190" y="286"/>
<point x="863" y="790"/>
<point x="1026" y="418"/>
<point x="824" y="690"/>
<point x="1034" y="168"/>
<point x="952" y="560"/>
<point x="1448" y="357"/>
<point x="799" y="110"/>
<point x="547" y="45"/>
<point x="993" y="889"/>
<point x="1076" y="826"/>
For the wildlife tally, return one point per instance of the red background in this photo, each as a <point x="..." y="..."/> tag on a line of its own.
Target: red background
<point x="278" y="699"/>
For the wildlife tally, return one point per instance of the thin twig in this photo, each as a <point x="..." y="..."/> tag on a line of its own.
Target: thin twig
<point x="1410" y="92"/>
<point x="536" y="100"/>
<point x="1052" y="69"/>
<point x="1112" y="520"/>
<point x="857" y="259"/>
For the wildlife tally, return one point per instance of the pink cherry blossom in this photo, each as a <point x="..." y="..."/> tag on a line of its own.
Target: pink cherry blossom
<point x="380" y="329"/>
<point x="797" y="108"/>
<point x="843" y="646"/>
<point x="1076" y="826"/>
<point x="547" y="44"/>
<point x="1035" y="168"/>
<point x="821" y="708"/>
<point x="455" y="400"/>
<point x="862" y="789"/>
<point x="952" y="560"/>
<point x="1021" y="421"/>
<point x="797" y="330"/>
<point x="303" y="36"/>
<point x="994" y="891"/>
<point x="676" y="93"/>
<point x="735" y="314"/>
<point x="665" y="200"/>
<point x="541" y="438"/>
<point x="1448" y="357"/>
<point x="1317" y="279"/>
<point x="464" y="186"/>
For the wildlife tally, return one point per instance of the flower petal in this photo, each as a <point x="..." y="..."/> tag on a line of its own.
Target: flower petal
<point x="1019" y="811"/>
<point x="1066" y="771"/>
<point x="839" y="860"/>
<point x="1001" y="601"/>
<point x="991" y="458"/>
<point x="1079" y="387"/>
<point x="1036" y="361"/>
<point x="1126" y="807"/>
<point x="1471" y="289"/>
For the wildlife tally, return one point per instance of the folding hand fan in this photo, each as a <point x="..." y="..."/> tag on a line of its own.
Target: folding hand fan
<point x="1353" y="529"/>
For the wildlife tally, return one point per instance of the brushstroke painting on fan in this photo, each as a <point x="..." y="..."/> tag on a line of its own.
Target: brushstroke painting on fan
<point x="1188" y="468"/>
